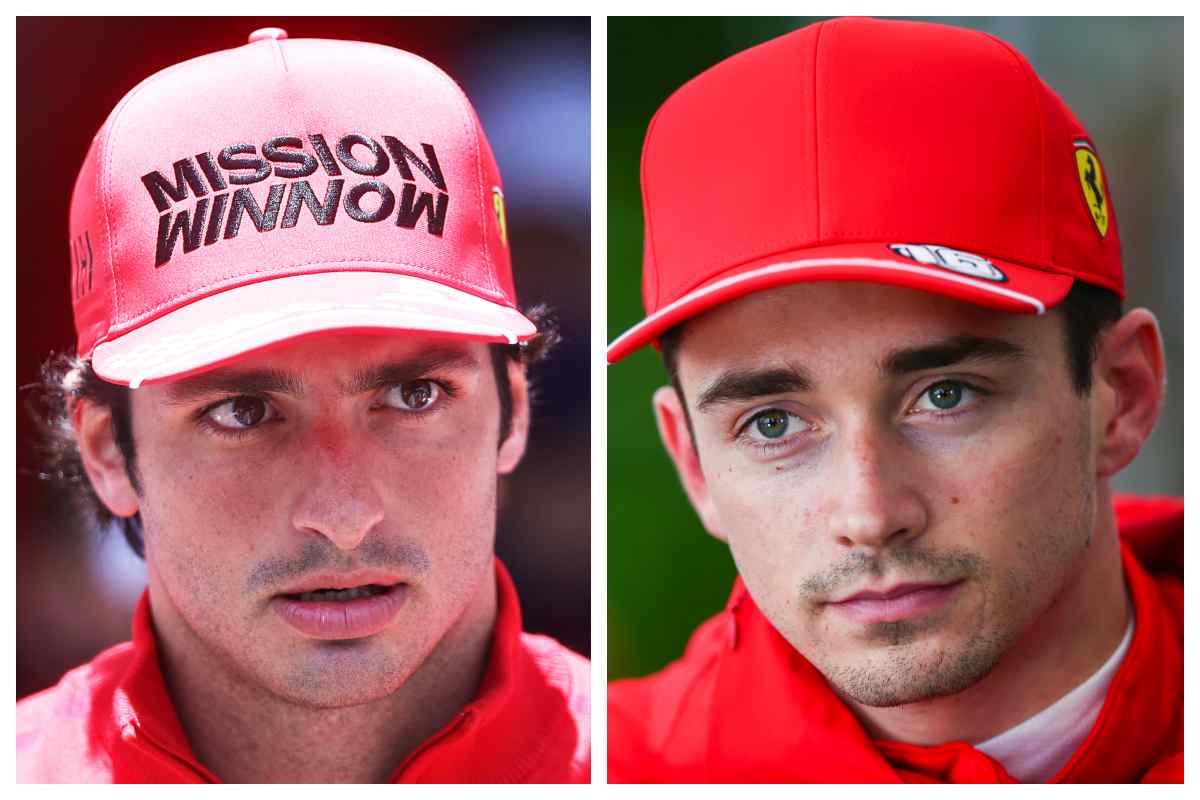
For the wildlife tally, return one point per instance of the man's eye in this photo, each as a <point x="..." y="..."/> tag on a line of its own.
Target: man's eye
<point x="241" y="413"/>
<point x="774" y="423"/>
<point x="413" y="395"/>
<point x="944" y="396"/>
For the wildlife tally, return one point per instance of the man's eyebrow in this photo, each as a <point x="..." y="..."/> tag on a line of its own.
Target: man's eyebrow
<point x="410" y="369"/>
<point x="948" y="352"/>
<point x="747" y="384"/>
<point x="233" y="381"/>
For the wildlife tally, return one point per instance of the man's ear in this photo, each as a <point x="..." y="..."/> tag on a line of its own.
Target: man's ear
<point x="1129" y="383"/>
<point x="677" y="438"/>
<point x="102" y="459"/>
<point x="513" y="448"/>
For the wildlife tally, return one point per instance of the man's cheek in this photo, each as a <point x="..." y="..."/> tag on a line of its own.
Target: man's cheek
<point x="1028" y="471"/>
<point x="773" y="538"/>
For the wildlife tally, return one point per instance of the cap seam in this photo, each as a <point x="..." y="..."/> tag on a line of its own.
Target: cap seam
<point x="273" y="272"/>
<point x="279" y="53"/>
<point x="1045" y="229"/>
<point x="101" y="193"/>
<point x="816" y="127"/>
<point x="472" y="131"/>
<point x="646" y="207"/>
<point x="484" y="227"/>
<point x="105" y="167"/>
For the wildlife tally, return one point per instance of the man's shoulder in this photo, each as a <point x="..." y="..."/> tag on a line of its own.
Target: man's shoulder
<point x="1152" y="530"/>
<point x="659" y="718"/>
<point x="566" y="674"/>
<point x="562" y="694"/>
<point x="561" y="667"/>
<point x="63" y="731"/>
<point x="1152" y="527"/>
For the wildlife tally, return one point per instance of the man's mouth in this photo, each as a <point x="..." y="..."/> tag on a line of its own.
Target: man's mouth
<point x="340" y="595"/>
<point x="893" y="604"/>
<point x="341" y="612"/>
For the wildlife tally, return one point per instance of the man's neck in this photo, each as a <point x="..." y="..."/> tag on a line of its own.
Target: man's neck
<point x="242" y="733"/>
<point x="1063" y="648"/>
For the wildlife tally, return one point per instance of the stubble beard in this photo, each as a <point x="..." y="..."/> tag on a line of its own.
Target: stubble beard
<point x="904" y="670"/>
<point x="908" y="671"/>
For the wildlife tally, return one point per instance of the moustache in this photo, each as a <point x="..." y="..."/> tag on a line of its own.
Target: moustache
<point x="403" y="556"/>
<point x="911" y="564"/>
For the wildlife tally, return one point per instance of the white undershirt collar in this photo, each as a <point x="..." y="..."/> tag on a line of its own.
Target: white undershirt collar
<point x="1035" y="750"/>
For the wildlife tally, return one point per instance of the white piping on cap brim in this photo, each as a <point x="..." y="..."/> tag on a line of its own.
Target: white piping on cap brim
<point x="788" y="266"/>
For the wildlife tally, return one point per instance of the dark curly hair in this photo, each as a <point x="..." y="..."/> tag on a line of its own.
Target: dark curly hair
<point x="67" y="378"/>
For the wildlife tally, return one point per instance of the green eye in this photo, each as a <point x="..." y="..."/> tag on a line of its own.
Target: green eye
<point x="772" y="424"/>
<point x="945" y="395"/>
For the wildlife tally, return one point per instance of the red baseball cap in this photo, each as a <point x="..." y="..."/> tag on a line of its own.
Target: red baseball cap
<point x="284" y="188"/>
<point x="904" y="153"/>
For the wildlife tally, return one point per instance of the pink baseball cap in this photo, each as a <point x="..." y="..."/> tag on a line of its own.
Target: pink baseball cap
<point x="284" y="188"/>
<point x="904" y="153"/>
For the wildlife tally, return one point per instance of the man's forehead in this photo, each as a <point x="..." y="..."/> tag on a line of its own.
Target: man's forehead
<point x="837" y="325"/>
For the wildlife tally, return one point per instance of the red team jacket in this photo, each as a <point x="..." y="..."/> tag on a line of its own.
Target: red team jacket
<point x="743" y="706"/>
<point x="112" y="721"/>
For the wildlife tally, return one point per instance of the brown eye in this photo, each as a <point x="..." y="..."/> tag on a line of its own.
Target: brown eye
<point x="241" y="413"/>
<point x="249" y="411"/>
<point x="413" y="395"/>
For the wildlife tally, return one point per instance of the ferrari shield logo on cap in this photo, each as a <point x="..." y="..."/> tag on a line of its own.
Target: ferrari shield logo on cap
<point x="1091" y="180"/>
<point x="498" y="205"/>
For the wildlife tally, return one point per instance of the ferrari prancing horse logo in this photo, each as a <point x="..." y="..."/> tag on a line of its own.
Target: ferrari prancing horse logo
<point x="498" y="207"/>
<point x="1091" y="180"/>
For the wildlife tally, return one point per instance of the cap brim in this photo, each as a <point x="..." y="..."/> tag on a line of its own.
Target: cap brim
<point x="1020" y="289"/>
<point x="224" y="326"/>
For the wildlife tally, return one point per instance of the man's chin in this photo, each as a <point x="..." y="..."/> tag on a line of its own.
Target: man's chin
<point x="338" y="676"/>
<point x="914" y="673"/>
<point x="331" y="694"/>
<point x="333" y="699"/>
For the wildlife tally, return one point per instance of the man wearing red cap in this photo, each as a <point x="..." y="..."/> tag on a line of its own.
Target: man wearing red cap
<point x="300" y="371"/>
<point x="902" y="381"/>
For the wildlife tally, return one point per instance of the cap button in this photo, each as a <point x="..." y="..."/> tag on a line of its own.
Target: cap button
<point x="268" y="33"/>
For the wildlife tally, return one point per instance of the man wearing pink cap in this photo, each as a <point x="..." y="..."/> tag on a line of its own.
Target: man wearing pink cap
<point x="300" y="370"/>
<point x="901" y="382"/>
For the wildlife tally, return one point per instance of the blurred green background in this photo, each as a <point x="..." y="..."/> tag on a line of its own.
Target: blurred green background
<point x="1124" y="80"/>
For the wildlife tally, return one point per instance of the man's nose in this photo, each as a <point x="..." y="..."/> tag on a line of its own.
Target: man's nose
<point x="338" y="498"/>
<point x="875" y="496"/>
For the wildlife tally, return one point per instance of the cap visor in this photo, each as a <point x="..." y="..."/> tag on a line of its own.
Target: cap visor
<point x="218" y="328"/>
<point x="1019" y="288"/>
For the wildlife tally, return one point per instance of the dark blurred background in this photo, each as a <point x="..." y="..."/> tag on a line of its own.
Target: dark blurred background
<point x="1124" y="80"/>
<point x="529" y="81"/>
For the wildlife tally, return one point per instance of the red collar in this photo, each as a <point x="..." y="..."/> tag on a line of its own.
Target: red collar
<point x="503" y="735"/>
<point x="774" y="718"/>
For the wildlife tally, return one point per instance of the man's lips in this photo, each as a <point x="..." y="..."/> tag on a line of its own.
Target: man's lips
<point x="342" y="580"/>
<point x="894" y="603"/>
<point x="898" y="590"/>
<point x="320" y="607"/>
